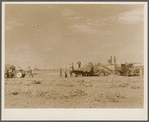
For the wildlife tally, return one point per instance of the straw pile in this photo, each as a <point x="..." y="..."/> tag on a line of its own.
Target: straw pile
<point x="88" y="67"/>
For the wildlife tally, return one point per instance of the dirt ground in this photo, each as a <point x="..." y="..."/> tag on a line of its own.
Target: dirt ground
<point x="49" y="90"/>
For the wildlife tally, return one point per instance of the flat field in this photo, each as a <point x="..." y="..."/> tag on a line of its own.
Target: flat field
<point x="48" y="90"/>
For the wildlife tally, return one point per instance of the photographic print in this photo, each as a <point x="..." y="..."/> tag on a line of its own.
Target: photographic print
<point x="74" y="56"/>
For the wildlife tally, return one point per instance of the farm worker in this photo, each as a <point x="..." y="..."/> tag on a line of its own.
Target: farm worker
<point x="79" y="64"/>
<point x="61" y="72"/>
<point x="71" y="69"/>
<point x="65" y="71"/>
<point x="30" y="72"/>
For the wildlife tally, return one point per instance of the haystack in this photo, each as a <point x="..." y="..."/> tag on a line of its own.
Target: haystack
<point x="88" y="67"/>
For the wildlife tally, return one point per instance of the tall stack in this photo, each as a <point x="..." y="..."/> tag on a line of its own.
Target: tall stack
<point x="114" y="60"/>
<point x="111" y="59"/>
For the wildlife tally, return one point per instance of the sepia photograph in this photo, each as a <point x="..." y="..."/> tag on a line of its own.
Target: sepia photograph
<point x="71" y="59"/>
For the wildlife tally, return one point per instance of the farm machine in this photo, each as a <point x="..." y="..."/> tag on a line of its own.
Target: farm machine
<point x="12" y="72"/>
<point x="89" y="69"/>
<point x="127" y="70"/>
<point x="98" y="69"/>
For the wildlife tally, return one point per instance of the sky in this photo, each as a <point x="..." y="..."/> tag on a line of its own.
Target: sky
<point x="55" y="35"/>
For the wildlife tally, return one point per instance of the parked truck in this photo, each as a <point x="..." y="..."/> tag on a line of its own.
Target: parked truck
<point x="127" y="70"/>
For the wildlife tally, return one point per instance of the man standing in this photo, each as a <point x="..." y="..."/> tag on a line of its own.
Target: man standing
<point x="30" y="72"/>
<point x="65" y="71"/>
<point x="71" y="69"/>
<point x="79" y="64"/>
<point x="61" y="72"/>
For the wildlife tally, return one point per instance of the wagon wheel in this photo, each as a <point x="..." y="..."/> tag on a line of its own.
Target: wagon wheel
<point x="19" y="74"/>
<point x="101" y="74"/>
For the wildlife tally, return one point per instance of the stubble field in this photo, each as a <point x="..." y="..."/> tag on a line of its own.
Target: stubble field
<point x="49" y="90"/>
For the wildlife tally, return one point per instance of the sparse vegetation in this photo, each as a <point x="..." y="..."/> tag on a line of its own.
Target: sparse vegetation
<point x="54" y="95"/>
<point x="14" y="92"/>
<point x="135" y="87"/>
<point x="77" y="93"/>
<point x="123" y="85"/>
<point x="36" y="82"/>
<point x="87" y="92"/>
<point x="109" y="97"/>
